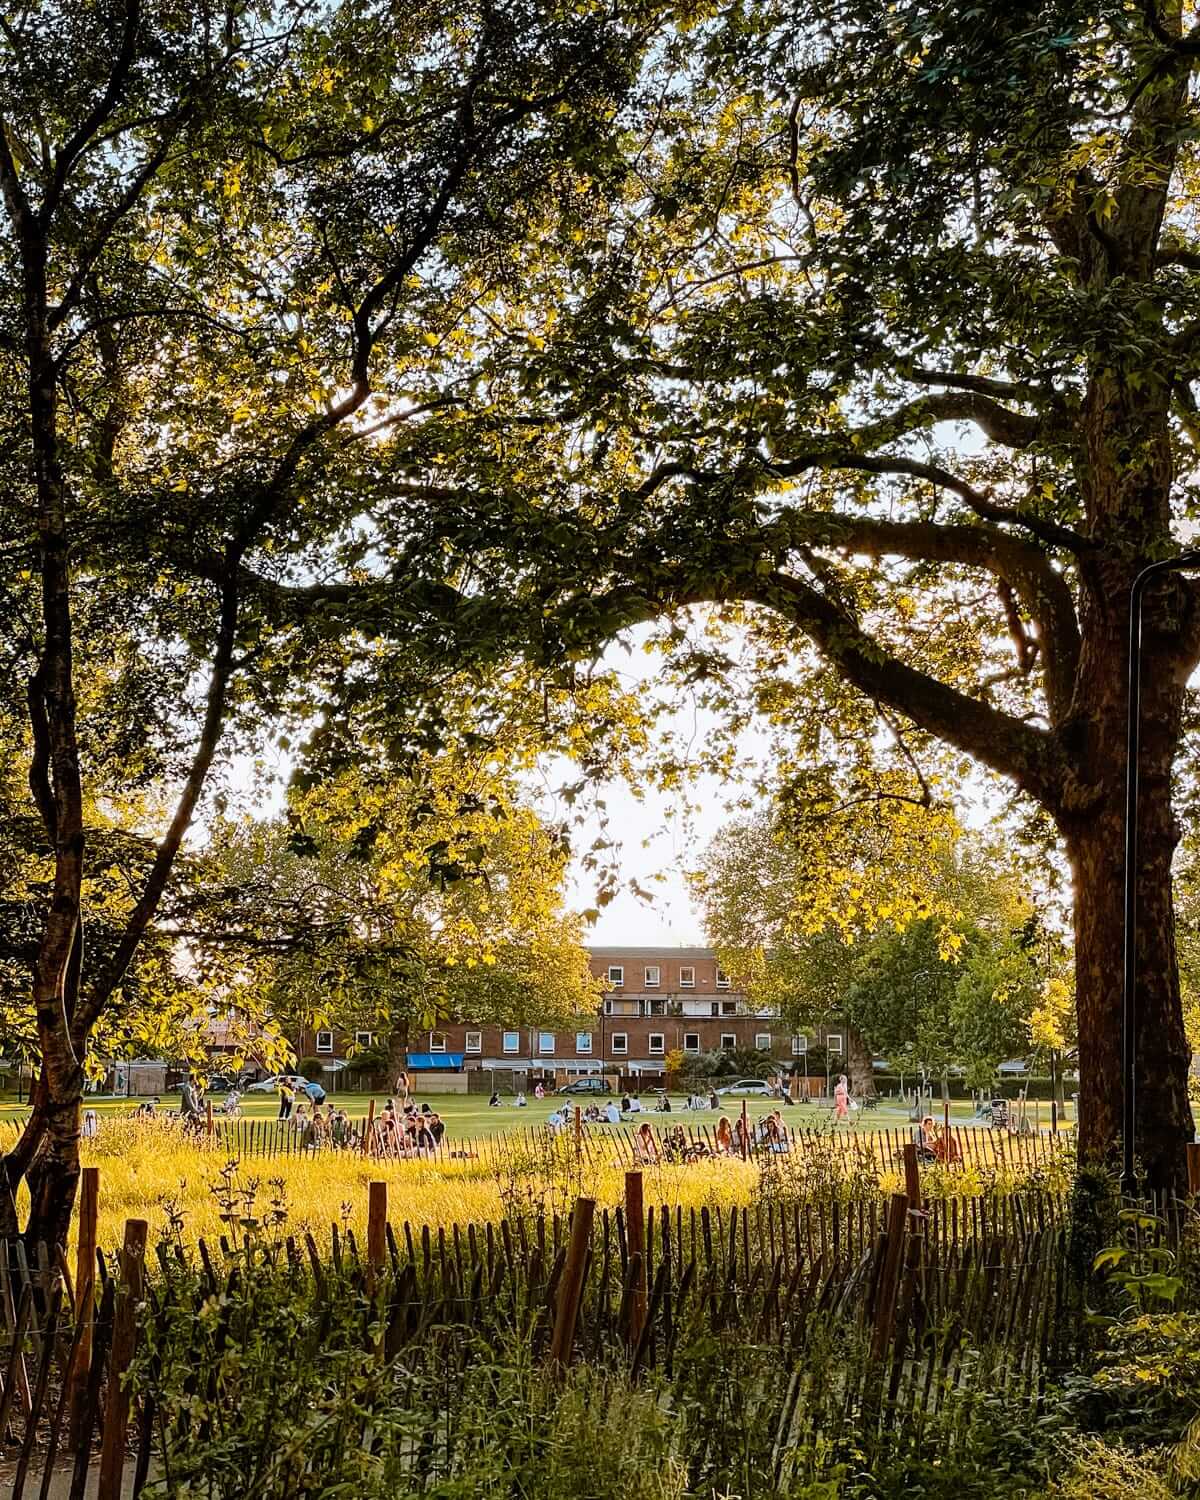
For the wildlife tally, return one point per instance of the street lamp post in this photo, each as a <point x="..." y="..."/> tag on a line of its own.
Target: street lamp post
<point x="1137" y="596"/>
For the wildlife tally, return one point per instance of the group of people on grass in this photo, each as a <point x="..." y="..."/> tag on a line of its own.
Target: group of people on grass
<point x="407" y="1130"/>
<point x="735" y="1137"/>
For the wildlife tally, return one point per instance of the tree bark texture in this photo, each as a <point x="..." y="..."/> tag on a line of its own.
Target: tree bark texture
<point x="859" y="1064"/>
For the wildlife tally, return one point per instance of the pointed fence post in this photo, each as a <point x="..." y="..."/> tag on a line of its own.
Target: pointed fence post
<point x="912" y="1174"/>
<point x="368" y="1129"/>
<point x="85" y="1313"/>
<point x="889" y="1277"/>
<point x="635" y="1241"/>
<point x="570" y="1291"/>
<point x="117" y="1403"/>
<point x="377" y="1212"/>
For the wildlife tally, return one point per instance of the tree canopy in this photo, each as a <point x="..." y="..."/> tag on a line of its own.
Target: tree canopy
<point x="941" y="959"/>
<point x="390" y="903"/>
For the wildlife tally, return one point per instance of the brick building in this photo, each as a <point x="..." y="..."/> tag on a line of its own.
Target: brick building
<point x="657" y="1000"/>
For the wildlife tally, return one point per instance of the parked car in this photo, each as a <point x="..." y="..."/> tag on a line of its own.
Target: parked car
<point x="757" y="1088"/>
<point x="586" y="1086"/>
<point x="302" y="1086"/>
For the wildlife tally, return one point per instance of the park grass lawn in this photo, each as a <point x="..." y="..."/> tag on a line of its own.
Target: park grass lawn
<point x="470" y="1115"/>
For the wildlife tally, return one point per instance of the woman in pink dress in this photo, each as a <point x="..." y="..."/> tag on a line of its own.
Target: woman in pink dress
<point x="841" y="1098"/>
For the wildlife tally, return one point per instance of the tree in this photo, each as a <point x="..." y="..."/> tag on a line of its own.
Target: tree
<point x="930" y="953"/>
<point x="234" y="240"/>
<point x="885" y="354"/>
<point x="388" y="903"/>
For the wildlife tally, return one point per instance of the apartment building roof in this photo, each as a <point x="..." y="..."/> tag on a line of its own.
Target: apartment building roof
<point x="598" y="950"/>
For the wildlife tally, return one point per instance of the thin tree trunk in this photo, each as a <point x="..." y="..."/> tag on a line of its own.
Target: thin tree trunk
<point x="397" y="1051"/>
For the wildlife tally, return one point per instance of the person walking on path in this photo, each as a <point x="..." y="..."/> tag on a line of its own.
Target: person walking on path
<point x="841" y="1098"/>
<point x="286" y="1097"/>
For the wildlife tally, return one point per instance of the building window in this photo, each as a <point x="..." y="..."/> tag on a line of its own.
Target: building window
<point x="546" y="1043"/>
<point x="799" y="1046"/>
<point x="364" y="1039"/>
<point x="474" y="1041"/>
<point x="658" y="1044"/>
<point x="512" y="1041"/>
<point x="729" y="1007"/>
<point x="437" y="1041"/>
<point x="722" y="980"/>
<point x="728" y="1041"/>
<point x="616" y="976"/>
<point x="583" y="1041"/>
<point x="324" y="1041"/>
<point x="687" y="977"/>
<point x="653" y="976"/>
<point x="620" y="1043"/>
<point x="762" y="1040"/>
<point x="833" y="1044"/>
<point x="691" y="1041"/>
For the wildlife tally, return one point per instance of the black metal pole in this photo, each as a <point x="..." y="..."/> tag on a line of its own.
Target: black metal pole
<point x="1137" y="596"/>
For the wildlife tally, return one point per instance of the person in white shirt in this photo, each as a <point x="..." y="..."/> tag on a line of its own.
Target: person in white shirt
<point x="612" y="1115"/>
<point x="520" y="1101"/>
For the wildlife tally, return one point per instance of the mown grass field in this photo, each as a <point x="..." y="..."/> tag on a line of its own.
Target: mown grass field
<point x="471" y="1116"/>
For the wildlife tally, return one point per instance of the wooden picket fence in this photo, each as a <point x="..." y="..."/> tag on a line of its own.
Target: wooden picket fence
<point x="929" y="1296"/>
<point x="880" y="1150"/>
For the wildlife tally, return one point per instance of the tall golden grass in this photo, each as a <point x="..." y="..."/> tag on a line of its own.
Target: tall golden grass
<point x="150" y="1171"/>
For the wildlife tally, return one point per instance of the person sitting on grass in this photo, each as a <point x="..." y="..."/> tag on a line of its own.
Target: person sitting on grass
<point x="612" y="1115"/>
<point x="437" y="1127"/>
<point x="494" y="1102"/>
<point x="926" y="1136"/>
<point x="645" y="1147"/>
<point x="520" y="1101"/>
<point x="339" y="1128"/>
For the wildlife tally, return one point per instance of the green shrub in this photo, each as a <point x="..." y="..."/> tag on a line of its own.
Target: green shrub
<point x="311" y="1068"/>
<point x="1100" y="1471"/>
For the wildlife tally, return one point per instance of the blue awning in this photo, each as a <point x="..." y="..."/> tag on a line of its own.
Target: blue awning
<point x="435" y="1059"/>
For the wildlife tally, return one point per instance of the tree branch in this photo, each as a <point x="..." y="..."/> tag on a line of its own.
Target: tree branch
<point x="139" y="919"/>
<point x="1027" y="756"/>
<point x="1043" y="591"/>
<point x="1049" y="532"/>
<point x="98" y="117"/>
<point x="1185" y="46"/>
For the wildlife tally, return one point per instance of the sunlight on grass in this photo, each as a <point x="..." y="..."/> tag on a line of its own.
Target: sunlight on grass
<point x="148" y="1171"/>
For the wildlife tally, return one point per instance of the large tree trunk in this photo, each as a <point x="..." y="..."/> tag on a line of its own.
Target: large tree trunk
<point x="858" y="1064"/>
<point x="1095" y="833"/>
<point x="1163" y="1114"/>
